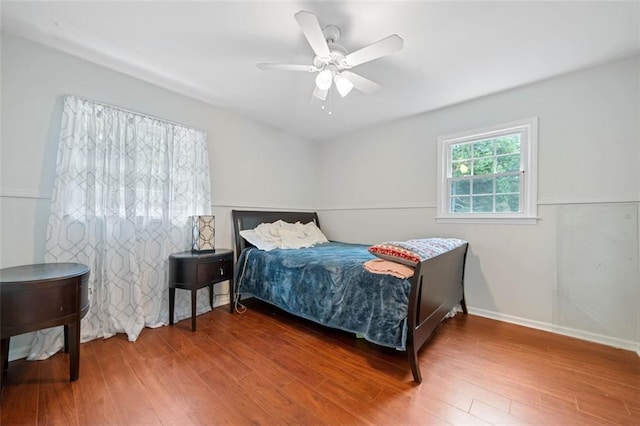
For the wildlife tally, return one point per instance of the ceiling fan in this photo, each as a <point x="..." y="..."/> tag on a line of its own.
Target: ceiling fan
<point x="332" y="62"/>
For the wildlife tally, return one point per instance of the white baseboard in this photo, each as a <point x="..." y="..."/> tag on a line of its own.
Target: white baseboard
<point x="565" y="331"/>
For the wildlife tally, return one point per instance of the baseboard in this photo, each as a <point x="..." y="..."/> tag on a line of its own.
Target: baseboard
<point x="565" y="331"/>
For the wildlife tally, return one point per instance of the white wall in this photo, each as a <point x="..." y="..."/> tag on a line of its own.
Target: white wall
<point x="576" y="271"/>
<point x="379" y="184"/>
<point x="252" y="165"/>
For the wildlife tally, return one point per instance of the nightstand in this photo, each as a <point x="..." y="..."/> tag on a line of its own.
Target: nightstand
<point x="193" y="270"/>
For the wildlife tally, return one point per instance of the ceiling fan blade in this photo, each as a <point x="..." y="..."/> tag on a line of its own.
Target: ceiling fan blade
<point x="320" y="94"/>
<point x="311" y="29"/>
<point x="362" y="84"/>
<point x="387" y="45"/>
<point x="287" y="67"/>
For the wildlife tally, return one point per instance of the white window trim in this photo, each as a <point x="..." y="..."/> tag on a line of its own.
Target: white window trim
<point x="529" y="150"/>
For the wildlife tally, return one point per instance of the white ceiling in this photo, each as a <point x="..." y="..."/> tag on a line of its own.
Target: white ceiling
<point x="453" y="51"/>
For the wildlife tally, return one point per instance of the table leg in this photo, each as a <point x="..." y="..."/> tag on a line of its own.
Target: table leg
<point x="66" y="338"/>
<point x="5" y="360"/>
<point x="211" y="295"/>
<point x="172" y="302"/>
<point x="74" y="350"/>
<point x="194" y="293"/>
<point x="232" y="302"/>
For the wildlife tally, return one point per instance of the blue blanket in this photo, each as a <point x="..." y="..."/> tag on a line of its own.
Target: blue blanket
<point x="328" y="284"/>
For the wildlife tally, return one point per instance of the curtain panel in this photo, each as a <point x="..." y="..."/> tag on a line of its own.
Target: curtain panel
<point x="126" y="185"/>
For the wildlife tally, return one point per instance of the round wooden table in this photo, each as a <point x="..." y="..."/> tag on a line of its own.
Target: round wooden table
<point x="33" y="297"/>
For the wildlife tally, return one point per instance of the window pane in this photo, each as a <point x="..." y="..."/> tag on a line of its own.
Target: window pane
<point x="460" y="205"/>
<point x="483" y="166"/>
<point x="483" y="204"/>
<point x="508" y="144"/>
<point x="460" y="187"/>
<point x="508" y="163"/>
<point x="482" y="173"/>
<point x="462" y="168"/>
<point x="483" y="148"/>
<point x="461" y="152"/>
<point x="506" y="184"/>
<point x="483" y="186"/>
<point x="508" y="203"/>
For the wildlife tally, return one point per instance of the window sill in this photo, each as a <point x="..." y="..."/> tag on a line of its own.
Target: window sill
<point x="502" y="220"/>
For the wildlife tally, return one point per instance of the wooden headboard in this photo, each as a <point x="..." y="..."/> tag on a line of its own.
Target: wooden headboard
<point x="249" y="219"/>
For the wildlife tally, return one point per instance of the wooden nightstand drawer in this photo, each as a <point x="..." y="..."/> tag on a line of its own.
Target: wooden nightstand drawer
<point x="214" y="271"/>
<point x="31" y="306"/>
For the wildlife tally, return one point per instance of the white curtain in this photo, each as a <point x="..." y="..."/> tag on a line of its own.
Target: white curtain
<point x="125" y="187"/>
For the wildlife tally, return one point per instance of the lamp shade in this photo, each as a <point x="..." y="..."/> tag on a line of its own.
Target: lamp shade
<point x="343" y="84"/>
<point x="320" y="94"/>
<point x="324" y="79"/>
<point x="203" y="233"/>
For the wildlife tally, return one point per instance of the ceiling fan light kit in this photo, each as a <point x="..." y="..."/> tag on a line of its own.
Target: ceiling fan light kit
<point x="332" y="61"/>
<point x="343" y="84"/>
<point x="320" y="93"/>
<point x="325" y="78"/>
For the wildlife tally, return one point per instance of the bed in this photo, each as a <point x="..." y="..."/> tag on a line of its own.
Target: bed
<point x="328" y="285"/>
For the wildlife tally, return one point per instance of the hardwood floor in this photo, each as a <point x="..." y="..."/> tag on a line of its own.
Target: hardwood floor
<point x="266" y="367"/>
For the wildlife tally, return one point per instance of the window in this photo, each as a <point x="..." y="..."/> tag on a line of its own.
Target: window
<point x="123" y="164"/>
<point x="489" y="175"/>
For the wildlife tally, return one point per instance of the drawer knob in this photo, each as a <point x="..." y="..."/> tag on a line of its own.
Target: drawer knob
<point x="221" y="271"/>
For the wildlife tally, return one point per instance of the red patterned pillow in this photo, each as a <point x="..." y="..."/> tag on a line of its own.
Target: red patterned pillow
<point x="411" y="252"/>
<point x="395" y="254"/>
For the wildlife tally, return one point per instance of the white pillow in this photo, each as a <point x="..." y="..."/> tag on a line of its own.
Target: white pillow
<point x="251" y="236"/>
<point x="314" y="233"/>
<point x="280" y="234"/>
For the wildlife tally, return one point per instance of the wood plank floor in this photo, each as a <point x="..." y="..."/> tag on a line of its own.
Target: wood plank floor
<point x="265" y="367"/>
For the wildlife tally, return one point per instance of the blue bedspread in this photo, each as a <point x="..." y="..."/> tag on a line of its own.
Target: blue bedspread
<point x="328" y="284"/>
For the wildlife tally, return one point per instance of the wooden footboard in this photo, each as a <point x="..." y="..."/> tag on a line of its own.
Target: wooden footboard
<point x="436" y="288"/>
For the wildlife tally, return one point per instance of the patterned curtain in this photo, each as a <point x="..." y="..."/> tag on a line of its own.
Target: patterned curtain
<point x="125" y="187"/>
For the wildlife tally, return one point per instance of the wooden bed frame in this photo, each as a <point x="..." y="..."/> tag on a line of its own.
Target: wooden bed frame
<point x="437" y="285"/>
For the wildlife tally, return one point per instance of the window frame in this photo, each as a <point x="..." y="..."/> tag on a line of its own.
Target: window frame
<point x="528" y="173"/>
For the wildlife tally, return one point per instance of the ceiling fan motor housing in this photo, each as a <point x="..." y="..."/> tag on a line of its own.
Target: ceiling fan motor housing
<point x="337" y="52"/>
<point x="331" y="33"/>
